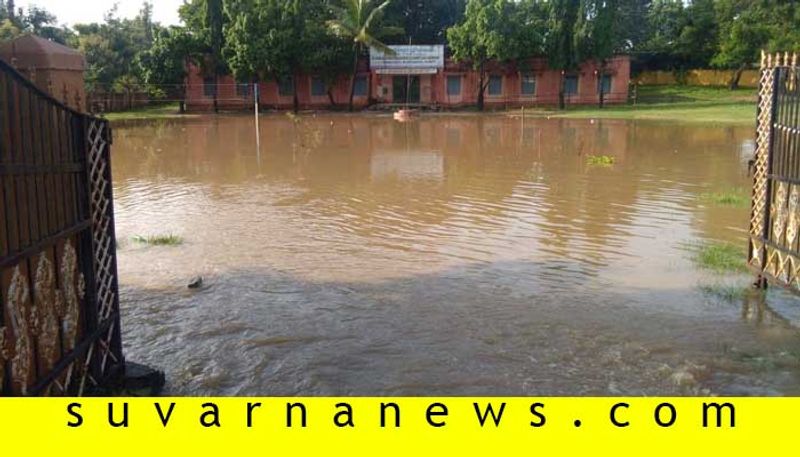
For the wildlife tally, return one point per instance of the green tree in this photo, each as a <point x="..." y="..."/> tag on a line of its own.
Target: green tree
<point x="699" y="39"/>
<point x="163" y="65"/>
<point x="596" y="37"/>
<point x="263" y="39"/>
<point x="744" y="32"/>
<point x="328" y="54"/>
<point x="207" y="20"/>
<point x="746" y="27"/>
<point x="214" y="22"/>
<point x="111" y="48"/>
<point x="561" y="52"/>
<point x="358" y="21"/>
<point x="33" y="20"/>
<point x="491" y="30"/>
<point x="103" y="63"/>
<point x="8" y="30"/>
<point x="424" y="21"/>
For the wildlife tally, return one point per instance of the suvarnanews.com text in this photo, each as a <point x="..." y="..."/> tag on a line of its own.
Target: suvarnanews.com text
<point x="382" y="414"/>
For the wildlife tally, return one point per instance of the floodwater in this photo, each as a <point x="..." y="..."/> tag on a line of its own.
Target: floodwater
<point x="452" y="255"/>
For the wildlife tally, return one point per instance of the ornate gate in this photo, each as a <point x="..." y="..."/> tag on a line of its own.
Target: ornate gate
<point x="774" y="252"/>
<point x="59" y="306"/>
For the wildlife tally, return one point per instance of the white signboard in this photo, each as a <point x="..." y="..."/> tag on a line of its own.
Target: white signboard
<point x="409" y="59"/>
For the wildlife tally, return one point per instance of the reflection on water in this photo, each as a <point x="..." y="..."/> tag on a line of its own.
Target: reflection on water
<point x="451" y="255"/>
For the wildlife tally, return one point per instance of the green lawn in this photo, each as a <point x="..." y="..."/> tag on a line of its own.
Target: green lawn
<point x="166" y="111"/>
<point x="674" y="103"/>
<point x="711" y="105"/>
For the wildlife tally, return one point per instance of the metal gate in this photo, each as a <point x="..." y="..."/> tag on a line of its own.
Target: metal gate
<point x="774" y="252"/>
<point x="59" y="306"/>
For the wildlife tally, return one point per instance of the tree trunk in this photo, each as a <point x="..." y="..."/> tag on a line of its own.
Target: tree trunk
<point x="600" y="81"/>
<point x="369" y="89"/>
<point x="561" y="103"/>
<point x="182" y="103"/>
<point x="353" y="78"/>
<point x="330" y="97"/>
<point x="481" y="88"/>
<point x="737" y="75"/>
<point x="216" y="90"/>
<point x="295" y="100"/>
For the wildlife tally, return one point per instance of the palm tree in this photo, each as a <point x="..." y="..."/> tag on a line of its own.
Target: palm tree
<point x="354" y="19"/>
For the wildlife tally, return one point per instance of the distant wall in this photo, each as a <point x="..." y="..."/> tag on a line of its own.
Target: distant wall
<point x="99" y="101"/>
<point x="546" y="84"/>
<point x="696" y="78"/>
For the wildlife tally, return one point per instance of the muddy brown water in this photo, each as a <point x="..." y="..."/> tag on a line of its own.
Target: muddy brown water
<point x="453" y="255"/>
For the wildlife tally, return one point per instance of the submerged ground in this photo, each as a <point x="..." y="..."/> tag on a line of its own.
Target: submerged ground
<point x="453" y="255"/>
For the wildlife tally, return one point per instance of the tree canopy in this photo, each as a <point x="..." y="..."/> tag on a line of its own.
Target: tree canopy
<point x="276" y="38"/>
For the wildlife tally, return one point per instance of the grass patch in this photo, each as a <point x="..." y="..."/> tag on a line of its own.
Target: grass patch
<point x="732" y="197"/>
<point x="712" y="105"/>
<point x="720" y="257"/>
<point x="724" y="292"/>
<point x="162" y="111"/>
<point x="603" y="161"/>
<point x="159" y="240"/>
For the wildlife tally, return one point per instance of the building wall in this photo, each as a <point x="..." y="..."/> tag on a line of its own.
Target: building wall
<point x="433" y="88"/>
<point x="66" y="86"/>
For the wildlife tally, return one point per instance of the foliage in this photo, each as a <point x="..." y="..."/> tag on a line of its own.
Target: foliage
<point x="424" y="21"/>
<point x="600" y="160"/>
<point x="279" y="38"/>
<point x="8" y="30"/>
<point x="720" y="257"/>
<point x="359" y="22"/>
<point x="111" y="48"/>
<point x="562" y="16"/>
<point x="159" y="240"/>
<point x="164" y="62"/>
<point x="276" y="39"/>
<point x="725" y="292"/>
<point x="261" y="38"/>
<point x="33" y="20"/>
<point x="496" y="30"/>
<point x="730" y="197"/>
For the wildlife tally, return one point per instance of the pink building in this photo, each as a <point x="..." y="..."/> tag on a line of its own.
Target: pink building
<point x="524" y="83"/>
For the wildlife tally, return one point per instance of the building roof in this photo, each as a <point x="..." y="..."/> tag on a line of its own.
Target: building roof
<point x="31" y="51"/>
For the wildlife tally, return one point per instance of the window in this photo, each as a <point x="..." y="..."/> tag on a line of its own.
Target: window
<point x="286" y="87"/>
<point x="243" y="89"/>
<point x="495" y="85"/>
<point x="318" y="88"/>
<point x="360" y="89"/>
<point x="571" y="85"/>
<point x="209" y="87"/>
<point x="454" y="85"/>
<point x="605" y="84"/>
<point x="528" y="84"/>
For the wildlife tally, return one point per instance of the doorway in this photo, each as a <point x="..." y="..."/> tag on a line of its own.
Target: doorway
<point x="405" y="89"/>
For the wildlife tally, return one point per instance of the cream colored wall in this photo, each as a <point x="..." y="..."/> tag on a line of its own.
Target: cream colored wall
<point x="697" y="78"/>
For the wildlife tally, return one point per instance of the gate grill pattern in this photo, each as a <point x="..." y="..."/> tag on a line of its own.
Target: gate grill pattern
<point x="59" y="306"/>
<point x="775" y="220"/>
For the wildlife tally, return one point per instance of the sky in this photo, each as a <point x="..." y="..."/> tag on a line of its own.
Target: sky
<point x="83" y="11"/>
